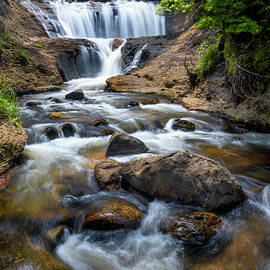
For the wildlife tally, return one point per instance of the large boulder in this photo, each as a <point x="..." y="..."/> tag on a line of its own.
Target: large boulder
<point x="122" y="144"/>
<point x="107" y="174"/>
<point x="112" y="214"/>
<point x="186" y="177"/>
<point x="195" y="228"/>
<point x="12" y="141"/>
<point x="179" y="176"/>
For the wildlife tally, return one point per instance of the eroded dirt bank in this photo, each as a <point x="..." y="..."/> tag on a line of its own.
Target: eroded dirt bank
<point x="166" y="75"/>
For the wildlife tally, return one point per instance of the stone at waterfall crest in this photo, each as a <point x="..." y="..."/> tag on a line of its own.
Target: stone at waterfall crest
<point x="179" y="176"/>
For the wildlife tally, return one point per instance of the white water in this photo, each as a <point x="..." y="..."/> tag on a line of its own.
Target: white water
<point x="144" y="249"/>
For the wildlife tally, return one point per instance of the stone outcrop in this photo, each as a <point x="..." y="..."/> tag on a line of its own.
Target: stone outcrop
<point x="112" y="214"/>
<point x="12" y="141"/>
<point x="179" y="176"/>
<point x="195" y="228"/>
<point x="122" y="144"/>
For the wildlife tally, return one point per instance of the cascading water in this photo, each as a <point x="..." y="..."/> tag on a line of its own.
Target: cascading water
<point x="100" y="23"/>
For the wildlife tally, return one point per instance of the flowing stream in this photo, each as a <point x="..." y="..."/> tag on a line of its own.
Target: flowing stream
<point x="58" y="174"/>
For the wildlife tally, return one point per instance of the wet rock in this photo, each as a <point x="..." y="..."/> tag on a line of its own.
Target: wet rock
<point x="128" y="127"/>
<point x="100" y="122"/>
<point x="51" y="133"/>
<point x="57" y="100"/>
<point x="55" y="235"/>
<point x="117" y="43"/>
<point x="195" y="228"/>
<point x="122" y="144"/>
<point x="32" y="104"/>
<point x="186" y="177"/>
<point x="133" y="104"/>
<point x="19" y="252"/>
<point x="12" y="141"/>
<point x="153" y="100"/>
<point x="54" y="115"/>
<point x="107" y="132"/>
<point x="75" y="95"/>
<point x="183" y="125"/>
<point x="5" y="179"/>
<point x="69" y="130"/>
<point x="155" y="45"/>
<point x="112" y="214"/>
<point x="107" y="174"/>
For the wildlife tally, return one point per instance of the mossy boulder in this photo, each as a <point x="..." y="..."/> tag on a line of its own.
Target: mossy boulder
<point x="54" y="115"/>
<point x="112" y="214"/>
<point x="194" y="228"/>
<point x="183" y="125"/>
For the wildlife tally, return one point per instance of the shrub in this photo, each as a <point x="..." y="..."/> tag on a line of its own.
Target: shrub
<point x="8" y="102"/>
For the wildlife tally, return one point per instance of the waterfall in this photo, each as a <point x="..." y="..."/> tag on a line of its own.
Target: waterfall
<point x="100" y="23"/>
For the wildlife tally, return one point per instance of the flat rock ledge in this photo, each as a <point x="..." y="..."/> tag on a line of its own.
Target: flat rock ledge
<point x="179" y="176"/>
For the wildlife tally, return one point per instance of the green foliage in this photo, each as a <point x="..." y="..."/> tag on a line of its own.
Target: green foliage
<point x="8" y="102"/>
<point x="245" y="27"/>
<point x="228" y="16"/>
<point x="12" y="47"/>
<point x="209" y="58"/>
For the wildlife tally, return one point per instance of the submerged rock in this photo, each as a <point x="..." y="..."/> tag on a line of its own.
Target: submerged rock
<point x="183" y="125"/>
<point x="51" y="133"/>
<point x="55" y="235"/>
<point x="112" y="214"/>
<point x="100" y="122"/>
<point x="195" y="228"/>
<point x="69" y="130"/>
<point x="19" y="252"/>
<point x="107" y="174"/>
<point x="75" y="95"/>
<point x="122" y="144"/>
<point x="57" y="100"/>
<point x="133" y="104"/>
<point x="32" y="104"/>
<point x="54" y="115"/>
<point x="12" y="141"/>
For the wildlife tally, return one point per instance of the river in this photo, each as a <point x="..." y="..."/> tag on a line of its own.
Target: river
<point x="57" y="175"/>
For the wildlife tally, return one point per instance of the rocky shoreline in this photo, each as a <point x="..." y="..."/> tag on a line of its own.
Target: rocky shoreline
<point x="166" y="75"/>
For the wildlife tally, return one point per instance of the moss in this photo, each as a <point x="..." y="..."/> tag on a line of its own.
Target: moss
<point x="12" y="48"/>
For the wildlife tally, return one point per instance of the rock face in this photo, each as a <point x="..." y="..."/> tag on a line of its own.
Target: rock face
<point x="12" y="142"/>
<point x="179" y="176"/>
<point x="122" y="144"/>
<point x="112" y="214"/>
<point x="195" y="228"/>
<point x="107" y="174"/>
<point x="155" y="45"/>
<point x="75" y="95"/>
